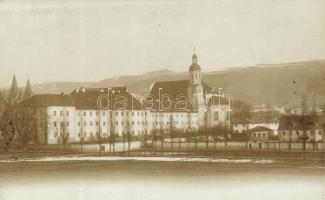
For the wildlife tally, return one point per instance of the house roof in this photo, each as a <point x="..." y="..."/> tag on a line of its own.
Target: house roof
<point x="87" y="99"/>
<point x="116" y="98"/>
<point x="44" y="100"/>
<point x="298" y="122"/>
<point x="259" y="129"/>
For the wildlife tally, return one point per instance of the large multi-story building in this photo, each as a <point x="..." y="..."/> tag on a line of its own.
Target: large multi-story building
<point x="91" y="113"/>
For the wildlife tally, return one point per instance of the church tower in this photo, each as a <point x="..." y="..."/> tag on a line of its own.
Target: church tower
<point x="28" y="90"/>
<point x="195" y="88"/>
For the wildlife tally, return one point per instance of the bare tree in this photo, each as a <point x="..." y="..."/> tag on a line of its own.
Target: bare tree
<point x="99" y="131"/>
<point x="171" y="131"/>
<point x="64" y="135"/>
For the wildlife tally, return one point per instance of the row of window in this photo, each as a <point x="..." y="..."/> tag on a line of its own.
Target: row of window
<point x="117" y="113"/>
<point x="122" y="123"/>
<point x="56" y="135"/>
<point x="301" y="133"/>
<point x="61" y="113"/>
<point x="91" y="134"/>
<point x="132" y="113"/>
<point x="62" y="124"/>
<point x="259" y="134"/>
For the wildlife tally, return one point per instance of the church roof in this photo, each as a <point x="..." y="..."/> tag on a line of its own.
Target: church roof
<point x="195" y="67"/>
<point x="174" y="88"/>
<point x="28" y="91"/>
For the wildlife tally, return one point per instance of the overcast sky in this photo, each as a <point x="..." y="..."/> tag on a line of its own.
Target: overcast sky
<point x="79" y="41"/>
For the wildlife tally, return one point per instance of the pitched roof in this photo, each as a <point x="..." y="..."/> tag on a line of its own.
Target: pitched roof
<point x="298" y="122"/>
<point x="259" y="129"/>
<point x="194" y="67"/>
<point x="28" y="91"/>
<point x="116" y="98"/>
<point x="44" y="100"/>
<point x="174" y="88"/>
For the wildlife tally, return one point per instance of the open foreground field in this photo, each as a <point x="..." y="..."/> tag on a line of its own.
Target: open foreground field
<point x="58" y="176"/>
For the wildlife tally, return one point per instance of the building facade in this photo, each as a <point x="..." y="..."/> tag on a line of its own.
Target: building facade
<point x="298" y="128"/>
<point x="92" y="114"/>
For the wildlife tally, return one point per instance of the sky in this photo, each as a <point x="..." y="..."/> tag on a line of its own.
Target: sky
<point x="80" y="40"/>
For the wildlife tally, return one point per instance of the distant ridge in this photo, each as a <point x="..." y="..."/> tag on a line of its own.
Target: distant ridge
<point x="263" y="83"/>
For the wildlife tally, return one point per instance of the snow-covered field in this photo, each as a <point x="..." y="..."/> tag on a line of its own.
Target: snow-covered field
<point x="161" y="159"/>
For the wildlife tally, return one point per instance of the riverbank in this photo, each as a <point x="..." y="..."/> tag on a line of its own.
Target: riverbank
<point x="307" y="158"/>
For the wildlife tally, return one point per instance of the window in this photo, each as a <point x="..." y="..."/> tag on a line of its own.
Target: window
<point x="78" y="123"/>
<point x="283" y="133"/>
<point x="104" y="113"/>
<point x="116" y="113"/>
<point x="61" y="113"/>
<point x="104" y="123"/>
<point x="67" y="123"/>
<point x="67" y="113"/>
<point x="216" y="116"/>
<point x="54" y="124"/>
<point x="91" y="123"/>
<point x="85" y="113"/>
<point x="90" y="113"/>
<point x="54" y="113"/>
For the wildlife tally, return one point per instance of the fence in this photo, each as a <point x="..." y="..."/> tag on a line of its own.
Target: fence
<point x="240" y="145"/>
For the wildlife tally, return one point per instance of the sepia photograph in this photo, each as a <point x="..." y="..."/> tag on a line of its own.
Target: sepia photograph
<point x="162" y="99"/>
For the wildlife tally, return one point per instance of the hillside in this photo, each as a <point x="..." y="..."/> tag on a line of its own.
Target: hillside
<point x="277" y="84"/>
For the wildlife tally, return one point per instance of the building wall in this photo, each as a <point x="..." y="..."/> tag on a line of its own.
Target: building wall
<point x="61" y="122"/>
<point x="217" y="117"/>
<point x="260" y="135"/>
<point x="293" y="135"/>
<point x="175" y="120"/>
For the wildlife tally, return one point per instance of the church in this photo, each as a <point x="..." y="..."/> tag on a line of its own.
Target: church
<point x="212" y="108"/>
